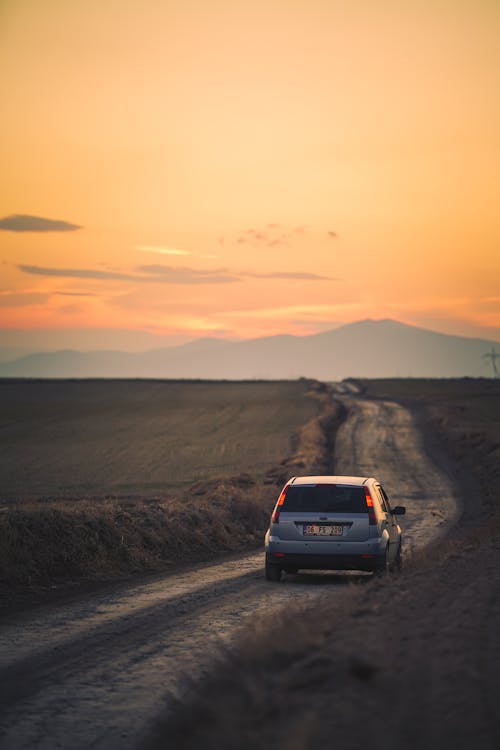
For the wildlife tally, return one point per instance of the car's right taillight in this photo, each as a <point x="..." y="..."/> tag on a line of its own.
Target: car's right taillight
<point x="372" y="518"/>
<point x="275" y="518"/>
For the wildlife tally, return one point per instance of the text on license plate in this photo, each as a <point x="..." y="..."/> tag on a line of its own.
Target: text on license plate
<point x="314" y="529"/>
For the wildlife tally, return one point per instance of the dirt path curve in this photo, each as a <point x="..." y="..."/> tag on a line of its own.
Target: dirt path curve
<point x="94" y="673"/>
<point x="380" y="439"/>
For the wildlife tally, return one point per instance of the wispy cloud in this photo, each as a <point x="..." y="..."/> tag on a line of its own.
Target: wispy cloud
<point x="271" y="235"/>
<point x="79" y="273"/>
<point x="162" y="250"/>
<point x="150" y="274"/>
<point x="159" y="273"/>
<point x="291" y="275"/>
<point x="303" y="312"/>
<point x="274" y="234"/>
<point x="27" y="223"/>
<point x="74" y="294"/>
<point x="174" y="275"/>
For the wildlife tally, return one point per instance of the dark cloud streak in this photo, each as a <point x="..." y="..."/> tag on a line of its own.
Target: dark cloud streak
<point x="27" y="223"/>
<point x="152" y="274"/>
<point x="161" y="274"/>
<point x="78" y="273"/>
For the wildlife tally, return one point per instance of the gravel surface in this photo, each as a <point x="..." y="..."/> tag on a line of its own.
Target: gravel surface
<point x="96" y="672"/>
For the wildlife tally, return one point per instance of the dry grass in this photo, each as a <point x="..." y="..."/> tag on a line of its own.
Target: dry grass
<point x="49" y="543"/>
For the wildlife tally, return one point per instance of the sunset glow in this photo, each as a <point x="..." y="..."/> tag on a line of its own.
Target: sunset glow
<point x="230" y="168"/>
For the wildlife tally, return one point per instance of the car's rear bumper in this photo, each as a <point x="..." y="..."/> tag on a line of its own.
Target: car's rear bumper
<point x="366" y="562"/>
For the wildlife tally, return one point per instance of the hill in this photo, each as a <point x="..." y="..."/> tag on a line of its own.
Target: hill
<point x="368" y="349"/>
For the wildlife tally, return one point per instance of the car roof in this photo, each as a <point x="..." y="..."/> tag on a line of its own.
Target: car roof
<point x="329" y="479"/>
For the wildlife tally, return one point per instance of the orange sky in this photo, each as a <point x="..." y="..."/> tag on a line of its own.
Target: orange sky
<point x="244" y="168"/>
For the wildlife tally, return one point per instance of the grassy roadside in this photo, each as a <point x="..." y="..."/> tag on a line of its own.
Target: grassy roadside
<point x="410" y="662"/>
<point x="53" y="543"/>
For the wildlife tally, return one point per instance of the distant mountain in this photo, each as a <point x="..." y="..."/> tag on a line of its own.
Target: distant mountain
<point x="9" y="353"/>
<point x="367" y="348"/>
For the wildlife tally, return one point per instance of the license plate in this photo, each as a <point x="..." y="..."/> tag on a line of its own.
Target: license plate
<point x="314" y="529"/>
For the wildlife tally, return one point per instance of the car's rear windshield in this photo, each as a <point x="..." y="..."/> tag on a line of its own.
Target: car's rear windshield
<point x="324" y="498"/>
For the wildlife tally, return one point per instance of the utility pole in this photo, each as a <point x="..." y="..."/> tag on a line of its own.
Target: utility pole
<point x="493" y="356"/>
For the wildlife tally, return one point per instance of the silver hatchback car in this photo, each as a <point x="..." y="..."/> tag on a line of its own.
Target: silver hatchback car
<point x="333" y="523"/>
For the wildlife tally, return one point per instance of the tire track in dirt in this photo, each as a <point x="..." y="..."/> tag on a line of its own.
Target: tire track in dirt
<point x="103" y="679"/>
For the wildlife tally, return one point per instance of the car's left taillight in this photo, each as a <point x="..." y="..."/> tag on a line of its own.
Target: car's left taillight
<point x="275" y="518"/>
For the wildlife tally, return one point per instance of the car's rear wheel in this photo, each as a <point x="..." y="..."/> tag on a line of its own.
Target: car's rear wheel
<point x="397" y="566"/>
<point x="384" y="568"/>
<point x="273" y="572"/>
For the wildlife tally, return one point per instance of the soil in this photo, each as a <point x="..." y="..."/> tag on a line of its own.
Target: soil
<point x="321" y="659"/>
<point x="140" y="439"/>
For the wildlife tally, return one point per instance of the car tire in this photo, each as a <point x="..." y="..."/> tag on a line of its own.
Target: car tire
<point x="273" y="572"/>
<point x="397" y="565"/>
<point x="385" y="567"/>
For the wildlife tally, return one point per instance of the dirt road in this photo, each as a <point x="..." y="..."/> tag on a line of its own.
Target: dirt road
<point x="94" y="673"/>
<point x="380" y="439"/>
<point x="97" y="671"/>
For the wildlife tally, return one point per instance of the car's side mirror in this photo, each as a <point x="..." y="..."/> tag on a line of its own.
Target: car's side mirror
<point x="399" y="510"/>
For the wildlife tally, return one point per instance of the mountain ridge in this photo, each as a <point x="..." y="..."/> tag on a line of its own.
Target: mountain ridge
<point x="365" y="348"/>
